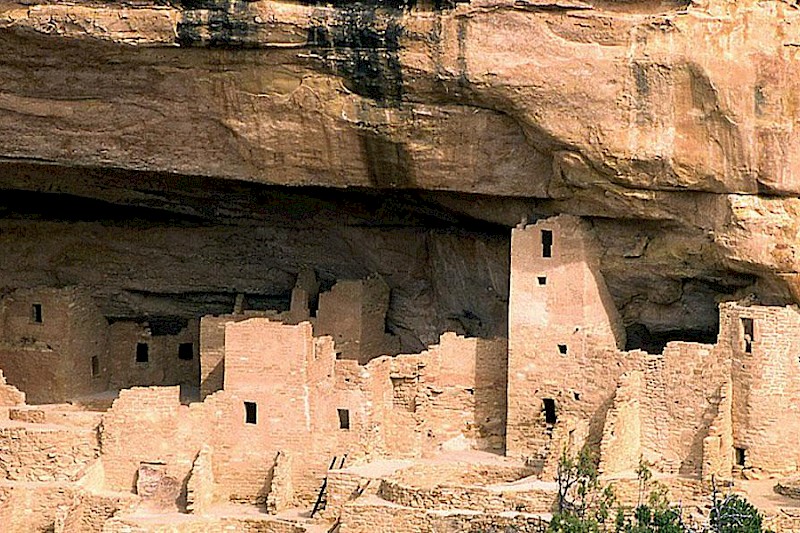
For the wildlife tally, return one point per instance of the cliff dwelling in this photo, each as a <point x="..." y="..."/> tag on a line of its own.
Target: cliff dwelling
<point x="397" y="266"/>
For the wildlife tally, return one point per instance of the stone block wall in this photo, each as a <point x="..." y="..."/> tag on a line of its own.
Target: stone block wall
<point x="212" y="348"/>
<point x="26" y="508"/>
<point x="10" y="395"/>
<point x="621" y="447"/>
<point x="353" y="313"/>
<point x="47" y="353"/>
<point x="163" y="367"/>
<point x="563" y="332"/>
<point x="765" y="378"/>
<point x="148" y="424"/>
<point x="200" y="489"/>
<point x="38" y="453"/>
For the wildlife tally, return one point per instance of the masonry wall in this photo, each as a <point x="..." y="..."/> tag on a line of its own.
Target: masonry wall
<point x="212" y="347"/>
<point x="663" y="410"/>
<point x="51" y="359"/>
<point x="288" y="376"/>
<point x="43" y="453"/>
<point x="564" y="333"/>
<point x="149" y="424"/>
<point x="163" y="367"/>
<point x="10" y="396"/>
<point x="353" y="313"/>
<point x="765" y="384"/>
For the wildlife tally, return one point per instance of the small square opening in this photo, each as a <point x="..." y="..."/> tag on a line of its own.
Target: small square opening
<point x="250" y="413"/>
<point x="549" y="408"/>
<point x="562" y="349"/>
<point x="740" y="455"/>
<point x="36" y="313"/>
<point x="547" y="243"/>
<point x="344" y="418"/>
<point x="95" y="366"/>
<point x="542" y="280"/>
<point x="186" y="351"/>
<point x="142" y="352"/>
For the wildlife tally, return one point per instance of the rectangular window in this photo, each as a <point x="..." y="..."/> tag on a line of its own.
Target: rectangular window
<point x="186" y="351"/>
<point x="550" y="411"/>
<point x="344" y="418"/>
<point x="740" y="456"/>
<point x="748" y="334"/>
<point x="142" y="352"/>
<point x="250" y="413"/>
<point x="95" y="366"/>
<point x="542" y="280"/>
<point x="547" y="243"/>
<point x="562" y="349"/>
<point x="36" y="313"/>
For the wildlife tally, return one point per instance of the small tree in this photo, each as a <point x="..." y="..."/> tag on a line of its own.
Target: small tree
<point x="655" y="514"/>
<point x="583" y="506"/>
<point x="733" y="514"/>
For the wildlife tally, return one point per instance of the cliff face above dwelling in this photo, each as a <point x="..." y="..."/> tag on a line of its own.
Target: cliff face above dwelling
<point x="670" y="126"/>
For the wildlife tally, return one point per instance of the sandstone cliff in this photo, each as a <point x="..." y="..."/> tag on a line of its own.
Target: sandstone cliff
<point x="669" y="125"/>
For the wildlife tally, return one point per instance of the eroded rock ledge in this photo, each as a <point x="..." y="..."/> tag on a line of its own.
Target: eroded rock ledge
<point x="669" y="125"/>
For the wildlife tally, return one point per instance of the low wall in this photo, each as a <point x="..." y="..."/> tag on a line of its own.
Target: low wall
<point x="42" y="454"/>
<point x="372" y="514"/>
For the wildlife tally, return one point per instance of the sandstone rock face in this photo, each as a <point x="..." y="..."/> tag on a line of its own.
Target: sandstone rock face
<point x="669" y="125"/>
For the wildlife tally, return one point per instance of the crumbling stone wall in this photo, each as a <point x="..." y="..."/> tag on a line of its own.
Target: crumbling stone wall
<point x="10" y="395"/>
<point x="200" y="490"/>
<point x="148" y="424"/>
<point x="39" y="453"/>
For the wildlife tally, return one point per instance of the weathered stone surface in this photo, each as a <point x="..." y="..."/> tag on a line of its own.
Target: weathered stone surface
<point x="669" y="124"/>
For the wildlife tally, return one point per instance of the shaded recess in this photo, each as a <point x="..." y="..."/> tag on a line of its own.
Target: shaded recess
<point x="162" y="249"/>
<point x="639" y="337"/>
<point x="156" y="247"/>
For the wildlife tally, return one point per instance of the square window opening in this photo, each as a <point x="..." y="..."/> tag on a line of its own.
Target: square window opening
<point x="344" y="418"/>
<point x="142" y="352"/>
<point x="95" y="366"/>
<point x="740" y="455"/>
<point x="562" y="349"/>
<point x="542" y="280"/>
<point x="36" y="313"/>
<point x="250" y="413"/>
<point x="547" y="243"/>
<point x="186" y="351"/>
<point x="549" y="408"/>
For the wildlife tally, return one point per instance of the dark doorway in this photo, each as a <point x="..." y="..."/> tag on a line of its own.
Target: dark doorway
<point x="344" y="418"/>
<point x="550" y="411"/>
<point x="740" y="456"/>
<point x="250" y="413"/>
<point x="36" y="313"/>
<point x="547" y="243"/>
<point x="95" y="366"/>
<point x="186" y="351"/>
<point x="142" y="352"/>
<point x="748" y="334"/>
